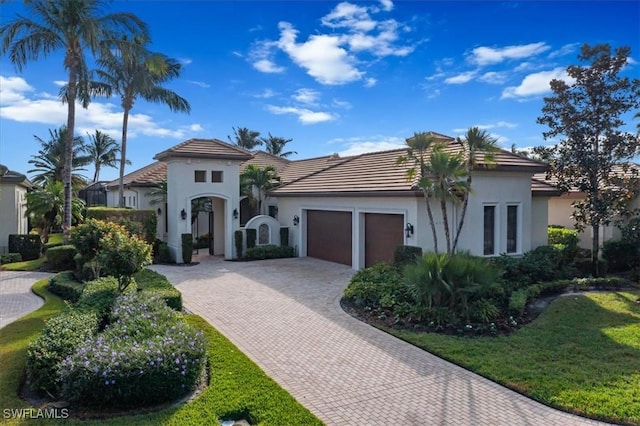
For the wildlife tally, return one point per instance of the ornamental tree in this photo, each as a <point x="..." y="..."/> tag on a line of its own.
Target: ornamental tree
<point x="586" y="113"/>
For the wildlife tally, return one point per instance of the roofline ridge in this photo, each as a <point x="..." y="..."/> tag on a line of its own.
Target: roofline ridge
<point x="346" y="160"/>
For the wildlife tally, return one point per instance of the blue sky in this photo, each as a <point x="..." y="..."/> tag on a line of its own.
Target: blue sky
<point x="345" y="77"/>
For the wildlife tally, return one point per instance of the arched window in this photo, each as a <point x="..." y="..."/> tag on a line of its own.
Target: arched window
<point x="263" y="234"/>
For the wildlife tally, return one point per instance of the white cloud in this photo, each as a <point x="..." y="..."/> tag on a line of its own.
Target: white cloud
<point x="185" y="61"/>
<point x="60" y="83"/>
<point x="489" y="55"/>
<point x="493" y="77"/>
<point x="462" y="78"/>
<point x="349" y="16"/>
<point x="305" y="116"/>
<point x="361" y="145"/>
<point x="370" y="82"/>
<point x="498" y="124"/>
<point x="199" y="83"/>
<point x="267" y="66"/>
<point x="320" y="55"/>
<point x="434" y="94"/>
<point x="564" y="50"/>
<point x="306" y="96"/>
<point x="265" y="94"/>
<point x="341" y="104"/>
<point x="536" y="84"/>
<point x="387" y="5"/>
<point x="19" y="103"/>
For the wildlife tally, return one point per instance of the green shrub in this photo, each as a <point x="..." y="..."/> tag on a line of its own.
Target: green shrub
<point x="187" y="248"/>
<point x="568" y="237"/>
<point x="50" y="244"/>
<point x="268" y="251"/>
<point x="100" y="295"/>
<point x="484" y="311"/>
<point x="146" y="221"/>
<point x="251" y="237"/>
<point x="202" y="241"/>
<point x="518" y="302"/>
<point x="66" y="286"/>
<point x="406" y="255"/>
<point x="554" y="287"/>
<point x="237" y="238"/>
<point x="544" y="263"/>
<point x="284" y="236"/>
<point x="10" y="258"/>
<point x="146" y="356"/>
<point x="583" y="266"/>
<point x="153" y="282"/>
<point x="164" y="254"/>
<point x="29" y="246"/>
<point x="603" y="283"/>
<point x="621" y="255"/>
<point x="61" y="258"/>
<point x="375" y="286"/>
<point x="122" y="256"/>
<point x="87" y="237"/>
<point x="60" y="338"/>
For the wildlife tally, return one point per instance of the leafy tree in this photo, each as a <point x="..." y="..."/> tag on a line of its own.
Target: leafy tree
<point x="49" y="163"/>
<point x="275" y="146"/>
<point x="586" y="113"/>
<point x="476" y="143"/>
<point x="260" y="180"/>
<point x="134" y="72"/>
<point x="45" y="205"/>
<point x="73" y="27"/>
<point x="245" y="138"/>
<point x="446" y="181"/>
<point x="103" y="151"/>
<point x="122" y="256"/>
<point x="418" y="149"/>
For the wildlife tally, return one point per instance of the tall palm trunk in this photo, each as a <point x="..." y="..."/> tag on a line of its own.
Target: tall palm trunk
<point x="71" y="122"/>
<point x="465" y="203"/>
<point x="123" y="157"/>
<point x="96" y="174"/>
<point x="431" y="222"/>
<point x="445" y="220"/>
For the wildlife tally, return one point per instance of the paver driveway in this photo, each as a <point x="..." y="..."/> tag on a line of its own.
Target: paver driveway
<point x="16" y="297"/>
<point x="285" y="315"/>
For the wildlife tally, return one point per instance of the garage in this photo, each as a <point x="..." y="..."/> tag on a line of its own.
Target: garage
<point x="382" y="234"/>
<point x="329" y="235"/>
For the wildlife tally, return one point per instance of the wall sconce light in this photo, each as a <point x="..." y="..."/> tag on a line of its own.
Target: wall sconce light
<point x="408" y="230"/>
<point x="235" y="213"/>
<point x="159" y="211"/>
<point x="296" y="220"/>
<point x="183" y="214"/>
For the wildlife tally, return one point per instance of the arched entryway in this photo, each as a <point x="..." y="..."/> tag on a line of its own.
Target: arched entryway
<point x="208" y="223"/>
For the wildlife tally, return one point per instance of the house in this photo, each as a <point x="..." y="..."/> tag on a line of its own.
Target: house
<point x="13" y="191"/>
<point x="561" y="208"/>
<point x="352" y="210"/>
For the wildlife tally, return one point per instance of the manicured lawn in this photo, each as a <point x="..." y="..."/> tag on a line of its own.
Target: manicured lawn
<point x="582" y="355"/>
<point x="26" y="265"/>
<point x="238" y="387"/>
<point x="55" y="238"/>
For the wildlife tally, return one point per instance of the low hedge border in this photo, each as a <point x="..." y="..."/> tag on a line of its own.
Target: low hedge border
<point x="64" y="284"/>
<point x="10" y="258"/>
<point x="151" y="281"/>
<point x="268" y="251"/>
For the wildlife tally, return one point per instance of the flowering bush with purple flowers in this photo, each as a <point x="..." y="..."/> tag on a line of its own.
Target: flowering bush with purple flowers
<point x="147" y="355"/>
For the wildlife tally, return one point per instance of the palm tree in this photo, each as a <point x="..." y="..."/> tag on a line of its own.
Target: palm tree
<point x="45" y="205"/>
<point x="447" y="172"/>
<point x="260" y="180"/>
<point x="475" y="143"/>
<point x="49" y="163"/>
<point x="417" y="153"/>
<point x="276" y="144"/>
<point x="134" y="72"/>
<point x="245" y="138"/>
<point x="159" y="193"/>
<point x="73" y="27"/>
<point x="103" y="151"/>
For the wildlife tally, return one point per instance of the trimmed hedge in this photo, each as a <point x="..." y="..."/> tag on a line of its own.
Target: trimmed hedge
<point x="621" y="255"/>
<point x="49" y="245"/>
<point x="284" y="236"/>
<point x="251" y="237"/>
<point x="405" y="255"/>
<point x="568" y="237"/>
<point x="146" y="218"/>
<point x="152" y="282"/>
<point x="100" y="295"/>
<point x="187" y="248"/>
<point x="66" y="286"/>
<point x="29" y="246"/>
<point x="61" y="258"/>
<point x="60" y="338"/>
<point x="269" y="251"/>
<point x="237" y="238"/>
<point x="10" y="258"/>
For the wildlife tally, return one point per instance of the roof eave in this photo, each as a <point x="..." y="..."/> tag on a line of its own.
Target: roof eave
<point x="168" y="155"/>
<point x="387" y="193"/>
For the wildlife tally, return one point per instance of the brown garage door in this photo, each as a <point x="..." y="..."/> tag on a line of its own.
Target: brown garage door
<point x="382" y="233"/>
<point x="329" y="235"/>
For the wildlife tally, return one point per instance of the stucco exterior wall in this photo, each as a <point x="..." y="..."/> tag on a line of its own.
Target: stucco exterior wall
<point x="539" y="221"/>
<point x="12" y="210"/>
<point x="182" y="188"/>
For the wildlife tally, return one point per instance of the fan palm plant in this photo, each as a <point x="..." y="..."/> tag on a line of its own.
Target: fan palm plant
<point x="260" y="180"/>
<point x="134" y="72"/>
<point x="103" y="151"/>
<point x="275" y="146"/>
<point x="74" y="27"/>
<point x="245" y="138"/>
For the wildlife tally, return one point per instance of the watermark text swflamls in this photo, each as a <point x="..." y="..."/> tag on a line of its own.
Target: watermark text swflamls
<point x="35" y="413"/>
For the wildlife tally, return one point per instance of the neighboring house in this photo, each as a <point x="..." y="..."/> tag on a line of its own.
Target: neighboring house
<point x="561" y="208"/>
<point x="13" y="190"/>
<point x="352" y="210"/>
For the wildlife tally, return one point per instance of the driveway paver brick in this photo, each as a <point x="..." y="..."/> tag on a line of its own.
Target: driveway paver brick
<point x="285" y="315"/>
<point x="16" y="297"/>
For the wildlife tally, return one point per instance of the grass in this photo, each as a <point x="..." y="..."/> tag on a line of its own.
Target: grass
<point x="25" y="265"/>
<point x="56" y="238"/>
<point x="581" y="355"/>
<point x="238" y="387"/>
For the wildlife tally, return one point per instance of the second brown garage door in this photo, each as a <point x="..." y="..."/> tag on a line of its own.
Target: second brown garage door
<point x="382" y="233"/>
<point x="329" y="235"/>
